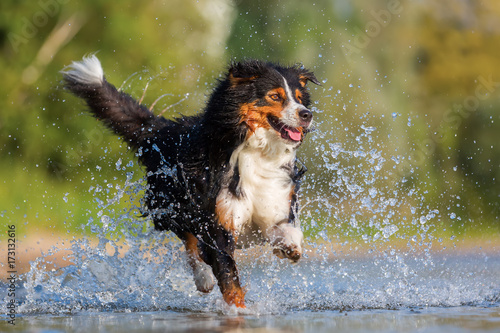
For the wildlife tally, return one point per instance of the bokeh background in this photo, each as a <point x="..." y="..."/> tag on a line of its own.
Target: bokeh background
<point x="422" y="76"/>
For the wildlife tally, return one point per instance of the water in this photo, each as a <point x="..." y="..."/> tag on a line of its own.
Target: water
<point x="346" y="284"/>
<point x="374" y="261"/>
<point x="465" y="319"/>
<point x="456" y="293"/>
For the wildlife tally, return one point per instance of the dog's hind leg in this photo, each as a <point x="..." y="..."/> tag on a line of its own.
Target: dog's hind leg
<point x="203" y="277"/>
<point x="218" y="252"/>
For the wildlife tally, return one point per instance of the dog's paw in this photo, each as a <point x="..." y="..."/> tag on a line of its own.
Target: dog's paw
<point x="286" y="241"/>
<point x="203" y="278"/>
<point x="292" y="253"/>
<point x="235" y="296"/>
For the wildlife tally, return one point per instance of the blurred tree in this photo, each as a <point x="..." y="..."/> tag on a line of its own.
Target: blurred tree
<point x="459" y="80"/>
<point x="48" y="144"/>
<point x="425" y="74"/>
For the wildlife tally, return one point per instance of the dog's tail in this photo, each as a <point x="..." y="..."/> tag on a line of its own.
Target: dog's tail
<point x="119" y="111"/>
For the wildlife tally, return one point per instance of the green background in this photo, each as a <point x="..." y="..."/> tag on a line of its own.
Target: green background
<point x="425" y="74"/>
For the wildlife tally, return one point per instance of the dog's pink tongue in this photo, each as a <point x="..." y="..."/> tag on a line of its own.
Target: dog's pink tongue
<point x="293" y="134"/>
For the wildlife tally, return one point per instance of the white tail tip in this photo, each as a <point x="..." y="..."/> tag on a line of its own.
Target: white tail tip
<point x="87" y="71"/>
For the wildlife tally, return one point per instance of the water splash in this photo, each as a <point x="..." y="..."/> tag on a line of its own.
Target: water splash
<point x="369" y="242"/>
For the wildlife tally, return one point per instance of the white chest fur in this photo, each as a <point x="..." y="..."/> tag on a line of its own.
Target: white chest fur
<point x="265" y="185"/>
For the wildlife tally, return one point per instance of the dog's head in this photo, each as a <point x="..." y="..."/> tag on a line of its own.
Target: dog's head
<point x="273" y="99"/>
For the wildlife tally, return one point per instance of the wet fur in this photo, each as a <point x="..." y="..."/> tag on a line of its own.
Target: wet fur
<point x="211" y="177"/>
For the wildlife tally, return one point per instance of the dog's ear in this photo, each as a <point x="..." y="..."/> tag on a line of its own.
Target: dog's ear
<point x="244" y="72"/>
<point x="305" y="76"/>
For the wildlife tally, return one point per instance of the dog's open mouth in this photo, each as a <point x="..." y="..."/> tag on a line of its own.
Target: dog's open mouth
<point x="287" y="132"/>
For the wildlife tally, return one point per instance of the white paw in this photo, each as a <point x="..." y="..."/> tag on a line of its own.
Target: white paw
<point x="294" y="253"/>
<point x="287" y="241"/>
<point x="203" y="277"/>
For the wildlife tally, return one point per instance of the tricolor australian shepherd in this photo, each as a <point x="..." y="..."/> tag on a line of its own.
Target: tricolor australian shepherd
<point x="221" y="179"/>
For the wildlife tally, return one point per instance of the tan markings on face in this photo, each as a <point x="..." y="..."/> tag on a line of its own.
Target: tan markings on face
<point x="256" y="116"/>
<point x="298" y="96"/>
<point x="277" y="95"/>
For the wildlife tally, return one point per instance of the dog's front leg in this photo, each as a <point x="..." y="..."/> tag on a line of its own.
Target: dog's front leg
<point x="218" y="252"/>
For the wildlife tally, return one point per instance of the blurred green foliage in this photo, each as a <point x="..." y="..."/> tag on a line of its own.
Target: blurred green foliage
<point x="426" y="74"/>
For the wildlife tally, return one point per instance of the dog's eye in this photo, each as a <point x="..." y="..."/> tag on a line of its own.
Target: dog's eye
<point x="275" y="97"/>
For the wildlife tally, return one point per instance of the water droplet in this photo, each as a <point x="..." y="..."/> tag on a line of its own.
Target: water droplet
<point x="118" y="164"/>
<point x="389" y="230"/>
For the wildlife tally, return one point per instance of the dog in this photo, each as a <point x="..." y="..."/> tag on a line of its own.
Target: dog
<point x="225" y="178"/>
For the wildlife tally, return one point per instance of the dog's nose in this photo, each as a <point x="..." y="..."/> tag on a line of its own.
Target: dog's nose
<point x="305" y="116"/>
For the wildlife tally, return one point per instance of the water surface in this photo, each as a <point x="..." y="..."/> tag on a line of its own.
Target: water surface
<point x="458" y="293"/>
